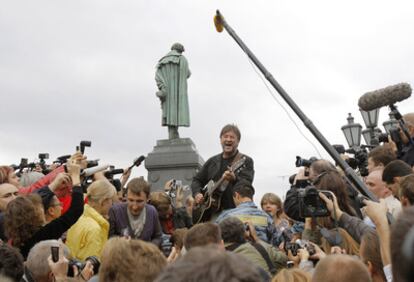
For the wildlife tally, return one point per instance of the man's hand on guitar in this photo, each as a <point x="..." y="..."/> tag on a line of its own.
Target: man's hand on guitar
<point x="198" y="199"/>
<point x="229" y="176"/>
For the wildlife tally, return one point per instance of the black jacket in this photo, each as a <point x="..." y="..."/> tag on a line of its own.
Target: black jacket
<point x="58" y="226"/>
<point x="407" y="155"/>
<point x="213" y="169"/>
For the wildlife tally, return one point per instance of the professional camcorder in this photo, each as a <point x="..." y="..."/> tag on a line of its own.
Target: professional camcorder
<point x="360" y="159"/>
<point x="304" y="162"/>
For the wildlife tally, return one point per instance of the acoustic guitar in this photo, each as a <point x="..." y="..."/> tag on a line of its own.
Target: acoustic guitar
<point x="212" y="193"/>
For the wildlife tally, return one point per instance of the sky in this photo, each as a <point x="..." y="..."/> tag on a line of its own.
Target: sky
<point x="84" y="70"/>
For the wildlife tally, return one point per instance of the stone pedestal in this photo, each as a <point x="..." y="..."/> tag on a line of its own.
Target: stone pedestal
<point x="172" y="159"/>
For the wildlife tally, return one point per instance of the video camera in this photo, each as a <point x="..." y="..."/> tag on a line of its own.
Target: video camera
<point x="360" y="160"/>
<point x="310" y="204"/>
<point x="304" y="162"/>
<point x="82" y="146"/>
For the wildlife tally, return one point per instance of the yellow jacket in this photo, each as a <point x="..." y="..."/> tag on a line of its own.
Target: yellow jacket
<point x="88" y="235"/>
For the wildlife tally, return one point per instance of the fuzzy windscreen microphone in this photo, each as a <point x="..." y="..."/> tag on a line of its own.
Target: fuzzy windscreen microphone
<point x="218" y="21"/>
<point x="384" y="97"/>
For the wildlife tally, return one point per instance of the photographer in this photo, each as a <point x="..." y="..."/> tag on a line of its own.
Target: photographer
<point x="41" y="268"/>
<point x="324" y="230"/>
<point x="323" y="175"/>
<point x="241" y="239"/>
<point x="24" y="217"/>
<point x="407" y="152"/>
<point x="354" y="226"/>
<point x="170" y="217"/>
<point x="63" y="192"/>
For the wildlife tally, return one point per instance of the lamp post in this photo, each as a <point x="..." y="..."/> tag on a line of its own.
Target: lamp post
<point x="352" y="132"/>
<point x="368" y="135"/>
<point x="371" y="121"/>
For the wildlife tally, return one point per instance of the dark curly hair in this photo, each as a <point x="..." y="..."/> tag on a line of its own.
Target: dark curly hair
<point x="22" y="220"/>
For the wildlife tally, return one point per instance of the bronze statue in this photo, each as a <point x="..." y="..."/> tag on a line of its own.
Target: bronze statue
<point x="171" y="76"/>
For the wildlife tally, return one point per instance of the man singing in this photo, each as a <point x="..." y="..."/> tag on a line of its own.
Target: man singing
<point x="219" y="165"/>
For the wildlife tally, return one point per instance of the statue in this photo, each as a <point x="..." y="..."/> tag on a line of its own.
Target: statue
<point x="171" y="76"/>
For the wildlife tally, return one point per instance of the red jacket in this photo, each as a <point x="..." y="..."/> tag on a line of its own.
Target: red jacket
<point x="64" y="195"/>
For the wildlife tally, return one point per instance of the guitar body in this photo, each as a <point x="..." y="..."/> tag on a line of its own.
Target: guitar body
<point x="211" y="205"/>
<point x="212" y="196"/>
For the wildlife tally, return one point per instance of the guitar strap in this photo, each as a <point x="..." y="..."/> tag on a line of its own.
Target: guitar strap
<point x="236" y="158"/>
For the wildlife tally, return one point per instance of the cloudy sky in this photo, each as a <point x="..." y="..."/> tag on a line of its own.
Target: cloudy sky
<point x="84" y="70"/>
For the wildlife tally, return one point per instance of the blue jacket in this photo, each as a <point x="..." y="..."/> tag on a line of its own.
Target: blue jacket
<point x="248" y="211"/>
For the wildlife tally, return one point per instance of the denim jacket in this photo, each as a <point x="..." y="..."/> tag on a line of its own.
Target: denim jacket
<point x="248" y="211"/>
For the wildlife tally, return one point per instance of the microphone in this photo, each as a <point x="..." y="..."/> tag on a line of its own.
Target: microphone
<point x="384" y="97"/>
<point x="137" y="162"/>
<point x="218" y="21"/>
<point x="92" y="170"/>
<point x="110" y="173"/>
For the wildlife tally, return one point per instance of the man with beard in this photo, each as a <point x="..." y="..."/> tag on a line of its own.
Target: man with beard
<point x="218" y="168"/>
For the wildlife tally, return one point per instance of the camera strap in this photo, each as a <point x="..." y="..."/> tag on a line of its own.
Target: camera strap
<point x="259" y="247"/>
<point x="262" y="251"/>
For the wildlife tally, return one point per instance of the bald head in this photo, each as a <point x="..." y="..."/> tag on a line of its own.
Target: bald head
<point x="376" y="185"/>
<point x="341" y="268"/>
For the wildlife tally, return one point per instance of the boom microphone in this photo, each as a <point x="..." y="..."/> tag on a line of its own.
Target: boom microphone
<point x="218" y="21"/>
<point x="384" y="97"/>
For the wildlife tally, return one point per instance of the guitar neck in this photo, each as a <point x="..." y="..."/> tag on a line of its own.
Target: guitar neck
<point x="218" y="184"/>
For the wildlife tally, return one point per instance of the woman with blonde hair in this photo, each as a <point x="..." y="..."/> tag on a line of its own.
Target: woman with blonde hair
<point x="89" y="234"/>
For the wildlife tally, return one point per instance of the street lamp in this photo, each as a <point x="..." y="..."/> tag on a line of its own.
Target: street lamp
<point x="392" y="122"/>
<point x="352" y="132"/>
<point x="370" y="135"/>
<point x="370" y="118"/>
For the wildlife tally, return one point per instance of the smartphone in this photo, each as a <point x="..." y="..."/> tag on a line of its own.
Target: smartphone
<point x="55" y="253"/>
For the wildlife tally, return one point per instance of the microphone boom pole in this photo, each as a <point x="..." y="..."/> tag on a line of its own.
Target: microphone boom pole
<point x="220" y="23"/>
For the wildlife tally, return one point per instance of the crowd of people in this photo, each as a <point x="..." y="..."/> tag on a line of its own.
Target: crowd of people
<point x="55" y="227"/>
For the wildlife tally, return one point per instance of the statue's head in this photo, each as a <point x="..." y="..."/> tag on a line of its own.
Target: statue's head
<point x="178" y="47"/>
